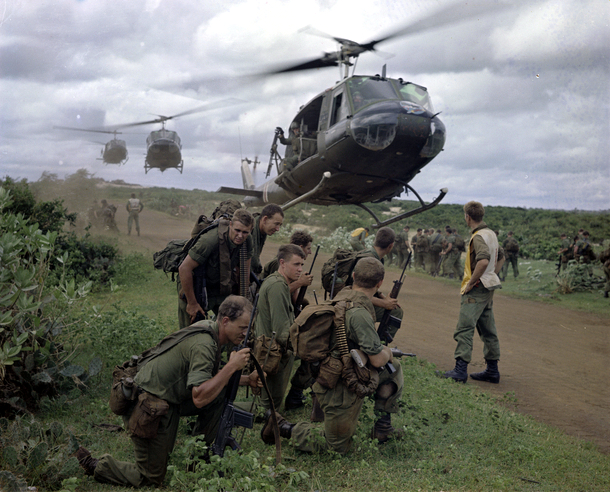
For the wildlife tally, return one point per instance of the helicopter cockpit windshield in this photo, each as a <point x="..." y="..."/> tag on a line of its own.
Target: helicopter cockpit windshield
<point x="367" y="90"/>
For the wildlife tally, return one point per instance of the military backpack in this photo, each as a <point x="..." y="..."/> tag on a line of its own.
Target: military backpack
<point x="170" y="258"/>
<point x="343" y="261"/>
<point x="460" y="244"/>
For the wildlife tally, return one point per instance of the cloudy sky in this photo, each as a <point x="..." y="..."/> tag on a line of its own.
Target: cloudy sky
<point x="524" y="92"/>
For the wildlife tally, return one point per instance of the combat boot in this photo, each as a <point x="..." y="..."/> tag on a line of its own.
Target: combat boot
<point x="86" y="461"/>
<point x="317" y="414"/>
<point x="294" y="399"/>
<point x="606" y="294"/>
<point x="267" y="434"/>
<point x="490" y="374"/>
<point x="460" y="373"/>
<point x="383" y="430"/>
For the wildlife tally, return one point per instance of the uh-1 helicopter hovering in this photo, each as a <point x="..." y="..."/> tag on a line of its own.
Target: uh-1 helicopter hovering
<point x="361" y="140"/>
<point x="114" y="151"/>
<point x="163" y="147"/>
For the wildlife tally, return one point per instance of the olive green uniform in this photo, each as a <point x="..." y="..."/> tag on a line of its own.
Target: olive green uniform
<point x="170" y="376"/>
<point x="451" y="263"/>
<point x="476" y="308"/>
<point x="276" y="313"/>
<point x="511" y="249"/>
<point x="219" y="283"/>
<point x="435" y="241"/>
<point x="258" y="241"/>
<point x="342" y="407"/>
<point x="567" y="254"/>
<point x="402" y="249"/>
<point x="134" y="207"/>
<point x="291" y="161"/>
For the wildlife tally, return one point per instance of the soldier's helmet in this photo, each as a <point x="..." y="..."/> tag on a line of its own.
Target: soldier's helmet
<point x="294" y="125"/>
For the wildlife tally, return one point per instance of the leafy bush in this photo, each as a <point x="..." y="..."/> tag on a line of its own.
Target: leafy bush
<point x="32" y="361"/>
<point x="41" y="454"/>
<point x="578" y="277"/>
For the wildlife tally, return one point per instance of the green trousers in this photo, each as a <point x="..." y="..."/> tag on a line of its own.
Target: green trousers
<point x="341" y="410"/>
<point x="152" y="455"/>
<point x="476" y="311"/>
<point x="133" y="217"/>
<point x="278" y="383"/>
<point x="511" y="259"/>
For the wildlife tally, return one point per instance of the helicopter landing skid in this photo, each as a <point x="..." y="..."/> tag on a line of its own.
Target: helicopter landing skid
<point x="410" y="213"/>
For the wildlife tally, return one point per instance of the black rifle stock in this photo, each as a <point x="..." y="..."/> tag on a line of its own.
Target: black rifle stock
<point x="299" y="302"/>
<point x="387" y="320"/>
<point x="232" y="416"/>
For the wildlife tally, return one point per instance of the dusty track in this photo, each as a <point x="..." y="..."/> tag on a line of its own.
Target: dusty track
<point x="554" y="360"/>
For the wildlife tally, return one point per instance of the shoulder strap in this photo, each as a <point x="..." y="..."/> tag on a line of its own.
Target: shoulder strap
<point x="175" y="338"/>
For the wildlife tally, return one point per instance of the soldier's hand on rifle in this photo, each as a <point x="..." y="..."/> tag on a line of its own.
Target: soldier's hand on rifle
<point x="387" y="302"/>
<point x="239" y="359"/>
<point x="193" y="309"/>
<point x="304" y="279"/>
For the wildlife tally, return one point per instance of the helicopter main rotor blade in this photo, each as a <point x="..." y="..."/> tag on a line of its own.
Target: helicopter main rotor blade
<point x="451" y="14"/>
<point x="206" y="107"/>
<point x="85" y="130"/>
<point x="328" y="60"/>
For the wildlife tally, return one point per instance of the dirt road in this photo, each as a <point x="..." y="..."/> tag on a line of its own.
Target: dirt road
<point x="554" y="360"/>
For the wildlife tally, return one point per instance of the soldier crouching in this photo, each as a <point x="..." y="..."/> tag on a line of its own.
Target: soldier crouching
<point x="181" y="376"/>
<point x="339" y="393"/>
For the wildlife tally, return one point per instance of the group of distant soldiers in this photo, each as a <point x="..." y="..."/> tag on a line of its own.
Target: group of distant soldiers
<point x="432" y="251"/>
<point x="102" y="216"/>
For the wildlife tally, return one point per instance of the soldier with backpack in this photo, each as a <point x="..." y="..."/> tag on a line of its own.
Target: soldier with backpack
<point x="345" y="262"/>
<point x="179" y="377"/>
<point x="266" y="224"/>
<point x="276" y="315"/>
<point x="211" y="264"/>
<point x="341" y="385"/>
<point x="511" y="249"/>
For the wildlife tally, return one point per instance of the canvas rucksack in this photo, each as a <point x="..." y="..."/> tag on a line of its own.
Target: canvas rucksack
<point x="345" y="260"/>
<point x="311" y="332"/>
<point x="512" y="246"/>
<point x="459" y="243"/>
<point x="170" y="258"/>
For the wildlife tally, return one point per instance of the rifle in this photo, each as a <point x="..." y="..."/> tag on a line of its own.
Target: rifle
<point x="302" y="290"/>
<point x="438" y="267"/>
<point x="387" y="320"/>
<point x="558" y="265"/>
<point x="232" y="416"/>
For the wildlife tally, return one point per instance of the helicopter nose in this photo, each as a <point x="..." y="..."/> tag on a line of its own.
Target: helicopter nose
<point x="374" y="131"/>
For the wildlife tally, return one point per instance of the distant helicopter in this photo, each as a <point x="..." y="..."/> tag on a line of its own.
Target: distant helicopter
<point x="163" y="147"/>
<point x="361" y="140"/>
<point x="114" y="151"/>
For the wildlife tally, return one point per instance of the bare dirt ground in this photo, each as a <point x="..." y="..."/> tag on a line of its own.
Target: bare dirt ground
<point x="554" y="360"/>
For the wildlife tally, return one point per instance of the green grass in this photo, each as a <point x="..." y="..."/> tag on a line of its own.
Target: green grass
<point x="456" y="437"/>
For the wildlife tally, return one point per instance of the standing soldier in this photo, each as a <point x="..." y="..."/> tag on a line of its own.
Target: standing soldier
<point x="357" y="238"/>
<point x="511" y="249"/>
<point x="421" y="249"/>
<point x="211" y="265"/>
<point x="404" y="247"/>
<point x="483" y="262"/>
<point x="294" y="140"/>
<point x="276" y="314"/>
<point x="451" y="262"/>
<point x="436" y="241"/>
<point x="340" y="404"/>
<point x="565" y="253"/>
<point x="583" y="252"/>
<point x="604" y="257"/>
<point x="134" y="207"/>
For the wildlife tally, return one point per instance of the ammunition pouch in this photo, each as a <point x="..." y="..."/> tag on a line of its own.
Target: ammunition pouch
<point x="120" y="404"/>
<point x="264" y="345"/>
<point x="330" y="372"/>
<point x="362" y="381"/>
<point x="146" y="416"/>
